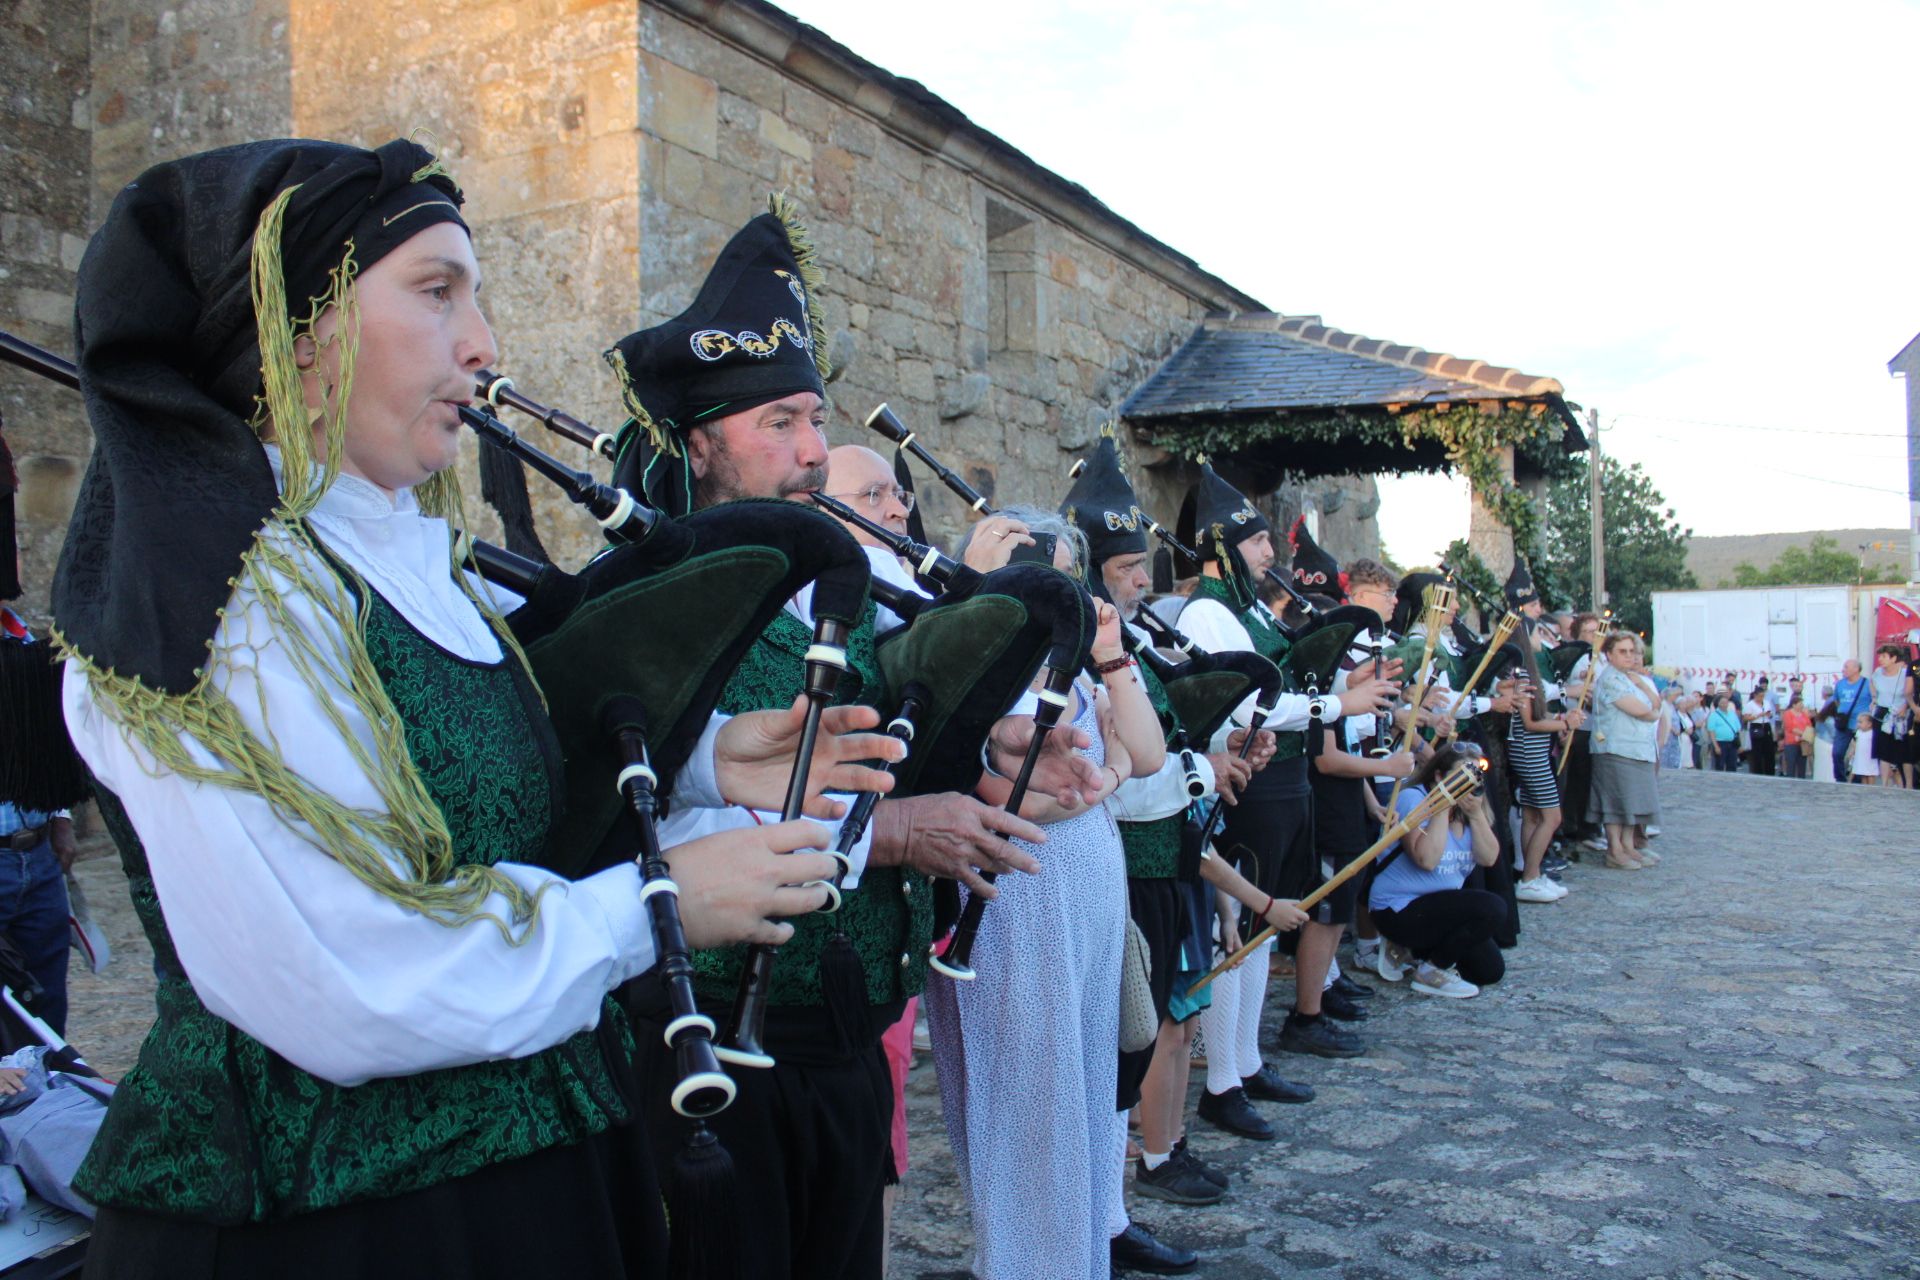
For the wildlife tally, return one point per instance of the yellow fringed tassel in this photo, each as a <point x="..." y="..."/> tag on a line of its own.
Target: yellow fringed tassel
<point x="806" y="258"/>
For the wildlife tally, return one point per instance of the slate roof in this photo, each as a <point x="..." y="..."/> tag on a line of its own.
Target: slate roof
<point x="1262" y="362"/>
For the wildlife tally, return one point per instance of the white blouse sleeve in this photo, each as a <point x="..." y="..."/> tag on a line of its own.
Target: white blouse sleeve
<point x="285" y="943"/>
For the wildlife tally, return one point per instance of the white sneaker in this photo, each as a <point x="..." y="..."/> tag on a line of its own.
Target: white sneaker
<point x="1387" y="967"/>
<point x="1652" y="832"/>
<point x="1594" y="843"/>
<point x="1538" y="889"/>
<point x="1430" y="981"/>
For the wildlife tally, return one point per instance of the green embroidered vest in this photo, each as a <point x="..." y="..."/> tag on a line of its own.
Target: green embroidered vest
<point x="1268" y="643"/>
<point x="212" y="1125"/>
<point x="889" y="917"/>
<point x="1153" y="848"/>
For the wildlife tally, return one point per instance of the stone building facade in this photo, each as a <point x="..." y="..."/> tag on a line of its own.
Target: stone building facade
<point x="608" y="148"/>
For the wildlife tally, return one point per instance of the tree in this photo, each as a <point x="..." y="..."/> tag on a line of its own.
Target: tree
<point x="1646" y="545"/>
<point x="1818" y="563"/>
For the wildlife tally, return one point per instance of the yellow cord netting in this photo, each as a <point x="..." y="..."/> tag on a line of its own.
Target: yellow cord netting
<point x="284" y="566"/>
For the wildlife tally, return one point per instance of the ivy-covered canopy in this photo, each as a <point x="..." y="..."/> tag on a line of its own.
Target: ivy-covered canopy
<point x="1271" y="398"/>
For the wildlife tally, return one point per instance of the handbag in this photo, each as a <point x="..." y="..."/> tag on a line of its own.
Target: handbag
<point x="1139" y="1023"/>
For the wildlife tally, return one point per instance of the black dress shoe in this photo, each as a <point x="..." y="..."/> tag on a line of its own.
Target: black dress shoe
<point x="1175" y="1181"/>
<point x="1216" y="1176"/>
<point x="1135" y="1249"/>
<point x="1341" y="1008"/>
<point x="1320" y="1037"/>
<point x="1352" y="990"/>
<point x="1267" y="1085"/>
<point x="1231" y="1111"/>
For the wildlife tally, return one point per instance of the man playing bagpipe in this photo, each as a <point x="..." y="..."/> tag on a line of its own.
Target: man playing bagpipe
<point x="728" y="403"/>
<point x="1269" y="832"/>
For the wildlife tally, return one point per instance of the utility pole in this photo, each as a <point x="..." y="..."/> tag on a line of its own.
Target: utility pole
<point x="1596" y="461"/>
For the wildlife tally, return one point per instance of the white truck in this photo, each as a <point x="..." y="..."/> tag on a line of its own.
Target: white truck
<point x="1742" y="633"/>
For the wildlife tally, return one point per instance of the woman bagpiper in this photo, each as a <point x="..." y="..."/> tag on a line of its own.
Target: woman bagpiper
<point x="384" y="1045"/>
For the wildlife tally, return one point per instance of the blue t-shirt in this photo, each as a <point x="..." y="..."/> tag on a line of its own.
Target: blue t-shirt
<point x="1850" y="698"/>
<point x="1402" y="880"/>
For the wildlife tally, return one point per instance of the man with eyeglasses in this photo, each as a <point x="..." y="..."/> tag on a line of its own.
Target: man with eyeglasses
<point x="864" y="480"/>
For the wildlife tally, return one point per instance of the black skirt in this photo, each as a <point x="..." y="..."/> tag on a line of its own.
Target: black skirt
<point x="1159" y="908"/>
<point x="591" y="1209"/>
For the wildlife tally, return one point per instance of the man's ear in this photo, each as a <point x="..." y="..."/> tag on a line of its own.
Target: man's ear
<point x="305" y="352"/>
<point x="699" y="451"/>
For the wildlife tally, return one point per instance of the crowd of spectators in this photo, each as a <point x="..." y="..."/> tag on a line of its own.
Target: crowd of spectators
<point x="1773" y="728"/>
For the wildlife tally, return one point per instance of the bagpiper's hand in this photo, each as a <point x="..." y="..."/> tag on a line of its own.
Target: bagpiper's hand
<point x="731" y="882"/>
<point x="1264" y="746"/>
<point x="1575" y="718"/>
<point x="1230" y="774"/>
<point x="1061" y="772"/>
<point x="993" y="541"/>
<point x="753" y="757"/>
<point x="954" y="837"/>
<point x="1368" y="696"/>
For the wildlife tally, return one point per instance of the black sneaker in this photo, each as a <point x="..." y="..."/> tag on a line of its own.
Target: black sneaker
<point x="1341" y="1008"/>
<point x="1266" y="1085"/>
<point x="1135" y="1249"/>
<point x="1353" y="990"/>
<point x="1231" y="1111"/>
<point x="1218" y="1177"/>
<point x="1175" y="1180"/>
<point x="1319" y="1037"/>
<point x="1554" y="866"/>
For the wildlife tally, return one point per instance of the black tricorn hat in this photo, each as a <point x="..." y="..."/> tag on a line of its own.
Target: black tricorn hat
<point x="1313" y="569"/>
<point x="1216" y="515"/>
<point x="1103" y="505"/>
<point x="752" y="334"/>
<point x="1520" y="588"/>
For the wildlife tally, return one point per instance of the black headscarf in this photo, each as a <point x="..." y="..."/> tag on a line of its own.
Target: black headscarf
<point x="1410" y="599"/>
<point x="752" y="335"/>
<point x="168" y="346"/>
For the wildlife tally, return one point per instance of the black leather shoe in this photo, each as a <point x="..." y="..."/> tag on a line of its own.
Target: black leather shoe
<point x="1177" y="1181"/>
<point x="1231" y="1111"/>
<point x="1320" y="1038"/>
<point x="1136" y="1249"/>
<point x="1266" y="1085"/>
<point x="1352" y="990"/>
<point x="1341" y="1008"/>
<point x="1216" y="1176"/>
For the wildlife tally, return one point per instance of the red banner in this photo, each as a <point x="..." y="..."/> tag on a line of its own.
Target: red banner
<point x="1896" y="621"/>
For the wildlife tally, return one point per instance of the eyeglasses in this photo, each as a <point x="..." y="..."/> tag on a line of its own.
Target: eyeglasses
<point x="875" y="494"/>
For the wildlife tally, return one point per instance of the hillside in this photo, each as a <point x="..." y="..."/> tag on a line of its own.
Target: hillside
<point x="1713" y="559"/>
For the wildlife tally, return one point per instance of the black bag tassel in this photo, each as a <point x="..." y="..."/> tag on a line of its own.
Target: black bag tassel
<point x="503" y="484"/>
<point x="843" y="989"/>
<point x="703" y="1210"/>
<point x="39" y="769"/>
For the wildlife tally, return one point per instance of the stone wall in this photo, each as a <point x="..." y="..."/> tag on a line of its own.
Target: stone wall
<point x="608" y="148"/>
<point x="43" y="224"/>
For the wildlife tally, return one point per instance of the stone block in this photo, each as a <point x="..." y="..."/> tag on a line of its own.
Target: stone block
<point x="853" y="132"/>
<point x="807" y="111"/>
<point x="779" y="133"/>
<point x="834" y="180"/>
<point x="678" y="106"/>
<point x="48" y="485"/>
<point x="916" y="380"/>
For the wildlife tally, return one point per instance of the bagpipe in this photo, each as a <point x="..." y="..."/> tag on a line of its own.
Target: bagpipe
<point x="1440" y="598"/>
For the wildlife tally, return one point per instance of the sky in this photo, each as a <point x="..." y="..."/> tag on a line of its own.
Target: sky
<point x="1699" y="216"/>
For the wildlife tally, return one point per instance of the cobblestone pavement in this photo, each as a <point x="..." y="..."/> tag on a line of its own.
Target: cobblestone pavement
<point x="1704" y="1069"/>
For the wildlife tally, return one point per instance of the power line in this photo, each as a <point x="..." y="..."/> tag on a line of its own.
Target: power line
<point x="1750" y="426"/>
<point x="1796" y="475"/>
